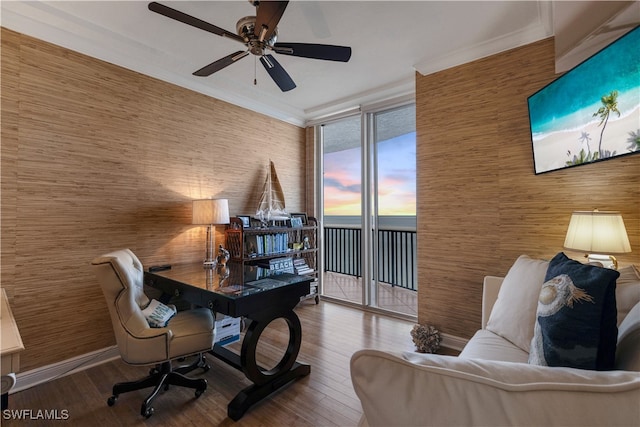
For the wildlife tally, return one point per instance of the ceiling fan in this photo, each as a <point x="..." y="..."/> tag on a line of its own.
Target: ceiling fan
<point x="259" y="34"/>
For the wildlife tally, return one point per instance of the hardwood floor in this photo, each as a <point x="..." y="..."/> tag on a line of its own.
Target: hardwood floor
<point x="331" y="334"/>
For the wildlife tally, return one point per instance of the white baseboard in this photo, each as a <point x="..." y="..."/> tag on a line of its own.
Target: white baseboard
<point x="453" y="342"/>
<point x="28" y="379"/>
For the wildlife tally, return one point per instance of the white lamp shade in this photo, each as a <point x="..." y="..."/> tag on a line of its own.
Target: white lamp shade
<point x="599" y="232"/>
<point x="210" y="211"/>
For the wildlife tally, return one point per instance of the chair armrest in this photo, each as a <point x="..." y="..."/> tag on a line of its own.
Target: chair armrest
<point x="426" y="389"/>
<point x="490" y="289"/>
<point x="154" y="333"/>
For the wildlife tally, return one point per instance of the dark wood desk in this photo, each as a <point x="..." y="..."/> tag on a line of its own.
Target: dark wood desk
<point x="230" y="291"/>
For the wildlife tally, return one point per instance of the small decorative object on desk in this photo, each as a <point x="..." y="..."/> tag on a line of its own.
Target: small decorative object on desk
<point x="426" y="338"/>
<point x="223" y="256"/>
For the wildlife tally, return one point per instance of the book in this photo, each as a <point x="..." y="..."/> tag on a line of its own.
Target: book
<point x="281" y="265"/>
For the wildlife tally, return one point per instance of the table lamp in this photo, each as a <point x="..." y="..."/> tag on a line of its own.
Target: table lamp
<point x="600" y="232"/>
<point x="210" y="212"/>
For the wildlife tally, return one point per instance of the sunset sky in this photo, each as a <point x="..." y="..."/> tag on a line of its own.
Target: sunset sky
<point x="397" y="178"/>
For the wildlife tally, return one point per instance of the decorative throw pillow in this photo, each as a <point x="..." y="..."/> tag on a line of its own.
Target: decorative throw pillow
<point x="576" y="317"/>
<point x="514" y="312"/>
<point x="158" y="314"/>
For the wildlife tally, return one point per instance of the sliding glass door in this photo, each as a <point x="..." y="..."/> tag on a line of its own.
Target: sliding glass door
<point x="342" y="208"/>
<point x="368" y="175"/>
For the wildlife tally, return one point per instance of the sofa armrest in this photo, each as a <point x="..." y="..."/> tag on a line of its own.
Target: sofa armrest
<point x="426" y="389"/>
<point x="490" y="289"/>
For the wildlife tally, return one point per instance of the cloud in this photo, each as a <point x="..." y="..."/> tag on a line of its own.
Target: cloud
<point x="339" y="185"/>
<point x="396" y="176"/>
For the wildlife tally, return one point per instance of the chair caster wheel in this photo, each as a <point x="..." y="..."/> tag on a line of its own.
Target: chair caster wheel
<point x="206" y="368"/>
<point x="146" y="412"/>
<point x="112" y="400"/>
<point x="202" y="388"/>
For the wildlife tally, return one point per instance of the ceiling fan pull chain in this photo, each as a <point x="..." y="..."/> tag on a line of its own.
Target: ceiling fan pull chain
<point x="255" y="72"/>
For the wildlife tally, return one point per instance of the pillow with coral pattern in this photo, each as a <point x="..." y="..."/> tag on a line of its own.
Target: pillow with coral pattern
<point x="576" y="317"/>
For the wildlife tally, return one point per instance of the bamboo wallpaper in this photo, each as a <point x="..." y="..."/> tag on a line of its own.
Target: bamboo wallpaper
<point x="95" y="158"/>
<point x="480" y="205"/>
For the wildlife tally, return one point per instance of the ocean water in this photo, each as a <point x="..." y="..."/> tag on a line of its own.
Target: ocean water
<point x="569" y="102"/>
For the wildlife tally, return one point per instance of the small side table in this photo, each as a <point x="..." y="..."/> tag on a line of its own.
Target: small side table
<point x="10" y="348"/>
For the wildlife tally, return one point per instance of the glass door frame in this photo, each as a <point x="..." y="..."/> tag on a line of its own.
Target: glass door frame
<point x="369" y="193"/>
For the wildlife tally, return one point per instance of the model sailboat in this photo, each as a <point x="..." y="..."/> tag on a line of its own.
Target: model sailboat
<point x="272" y="206"/>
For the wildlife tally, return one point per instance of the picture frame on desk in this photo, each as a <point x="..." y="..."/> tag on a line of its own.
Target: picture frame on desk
<point x="302" y="216"/>
<point x="246" y="221"/>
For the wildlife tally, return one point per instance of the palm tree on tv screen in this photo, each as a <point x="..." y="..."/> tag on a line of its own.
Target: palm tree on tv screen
<point x="609" y="104"/>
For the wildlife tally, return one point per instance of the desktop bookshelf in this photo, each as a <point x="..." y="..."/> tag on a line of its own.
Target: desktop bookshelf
<point x="266" y="250"/>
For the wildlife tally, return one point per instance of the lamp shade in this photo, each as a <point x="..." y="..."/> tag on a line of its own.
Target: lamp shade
<point x="595" y="231"/>
<point x="210" y="211"/>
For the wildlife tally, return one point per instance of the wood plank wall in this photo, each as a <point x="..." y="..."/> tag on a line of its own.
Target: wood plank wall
<point x="95" y="158"/>
<point x="479" y="203"/>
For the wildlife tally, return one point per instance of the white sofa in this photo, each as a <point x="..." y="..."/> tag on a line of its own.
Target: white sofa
<point x="491" y="382"/>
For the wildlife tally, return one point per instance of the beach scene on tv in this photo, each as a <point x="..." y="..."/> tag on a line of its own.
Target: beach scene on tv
<point x="592" y="112"/>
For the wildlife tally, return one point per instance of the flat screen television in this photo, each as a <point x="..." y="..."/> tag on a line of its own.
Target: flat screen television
<point x="592" y="112"/>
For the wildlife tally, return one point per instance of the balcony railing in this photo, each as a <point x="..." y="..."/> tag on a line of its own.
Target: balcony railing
<point x="396" y="257"/>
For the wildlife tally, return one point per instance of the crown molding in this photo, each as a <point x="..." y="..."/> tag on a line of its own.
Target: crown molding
<point x="532" y="33"/>
<point x="45" y="22"/>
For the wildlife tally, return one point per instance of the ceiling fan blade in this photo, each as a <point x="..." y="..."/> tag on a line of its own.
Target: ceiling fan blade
<point x="315" y="51"/>
<point x="207" y="70"/>
<point x="267" y="18"/>
<point x="277" y="73"/>
<point x="190" y="20"/>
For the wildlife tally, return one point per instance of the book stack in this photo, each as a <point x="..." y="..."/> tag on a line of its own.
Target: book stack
<point x="267" y="244"/>
<point x="301" y="266"/>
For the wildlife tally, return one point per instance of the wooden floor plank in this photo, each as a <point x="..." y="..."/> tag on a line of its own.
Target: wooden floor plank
<point x="331" y="334"/>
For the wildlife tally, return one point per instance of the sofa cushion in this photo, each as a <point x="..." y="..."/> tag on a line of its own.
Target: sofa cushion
<point x="628" y="350"/>
<point x="514" y="312"/>
<point x="576" y="317"/>
<point x="489" y="346"/>
<point x="418" y="389"/>
<point x="627" y="291"/>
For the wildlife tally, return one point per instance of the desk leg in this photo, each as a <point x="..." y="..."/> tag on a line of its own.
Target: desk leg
<point x="255" y="393"/>
<point x="264" y="381"/>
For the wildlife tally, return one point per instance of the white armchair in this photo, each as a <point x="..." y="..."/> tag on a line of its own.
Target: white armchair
<point x="492" y="384"/>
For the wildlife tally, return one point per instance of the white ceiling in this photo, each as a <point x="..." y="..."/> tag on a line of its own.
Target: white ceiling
<point x="390" y="41"/>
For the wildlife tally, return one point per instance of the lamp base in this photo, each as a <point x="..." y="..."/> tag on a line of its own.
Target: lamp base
<point x="210" y="261"/>
<point x="210" y="264"/>
<point x="606" y="261"/>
